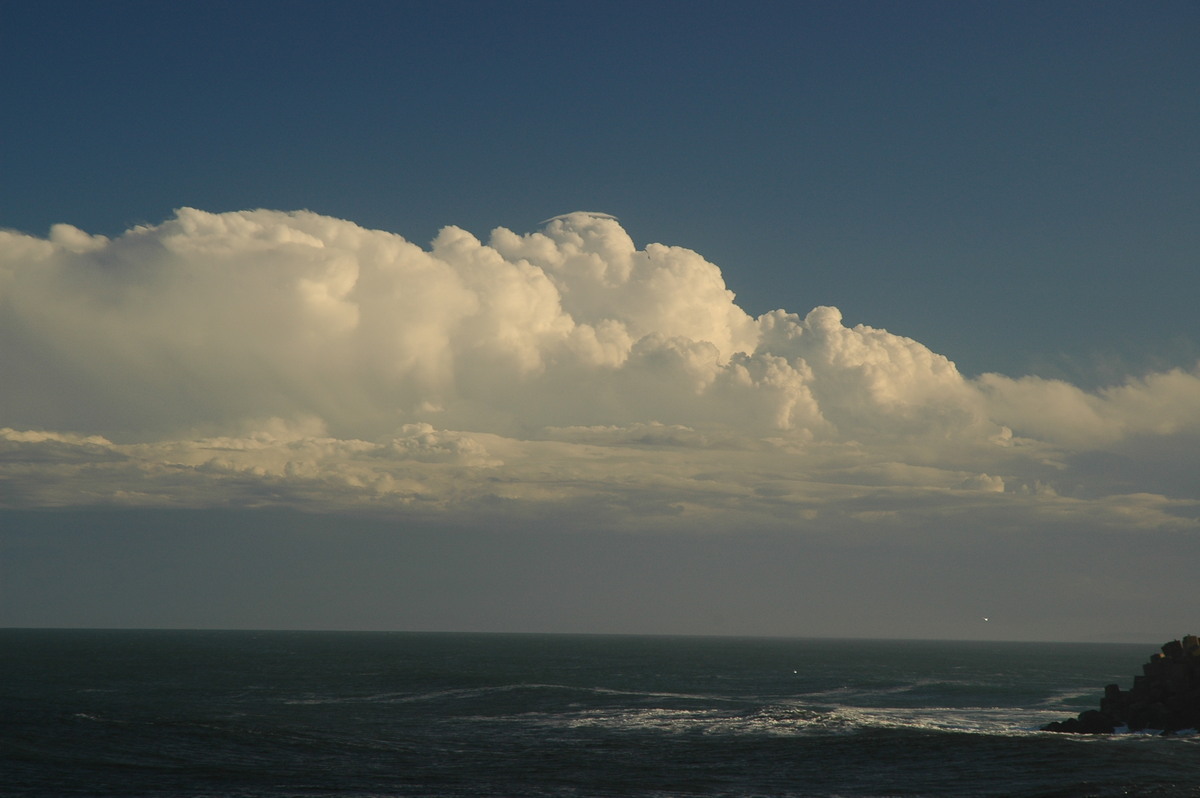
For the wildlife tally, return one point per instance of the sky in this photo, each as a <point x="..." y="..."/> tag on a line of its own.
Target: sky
<point x="855" y="319"/>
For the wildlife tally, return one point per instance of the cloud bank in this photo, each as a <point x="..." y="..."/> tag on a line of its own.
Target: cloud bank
<point x="264" y="358"/>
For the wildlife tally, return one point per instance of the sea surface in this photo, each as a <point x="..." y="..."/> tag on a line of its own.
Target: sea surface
<point x="211" y="713"/>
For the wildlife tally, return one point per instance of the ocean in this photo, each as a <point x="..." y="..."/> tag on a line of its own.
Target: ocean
<point x="271" y="714"/>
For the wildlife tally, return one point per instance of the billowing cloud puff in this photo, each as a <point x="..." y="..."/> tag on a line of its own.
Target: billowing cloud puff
<point x="211" y="319"/>
<point x="269" y="357"/>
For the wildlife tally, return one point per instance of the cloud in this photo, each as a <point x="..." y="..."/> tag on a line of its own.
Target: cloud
<point x="1160" y="404"/>
<point x="292" y="359"/>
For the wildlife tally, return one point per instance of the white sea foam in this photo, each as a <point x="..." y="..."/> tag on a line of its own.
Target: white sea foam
<point x="970" y="720"/>
<point x="797" y="720"/>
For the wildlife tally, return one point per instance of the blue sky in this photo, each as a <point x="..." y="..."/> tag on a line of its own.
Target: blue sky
<point x="1013" y="184"/>
<point x="987" y="187"/>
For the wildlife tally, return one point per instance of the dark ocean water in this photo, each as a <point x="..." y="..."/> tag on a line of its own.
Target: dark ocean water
<point x="197" y="713"/>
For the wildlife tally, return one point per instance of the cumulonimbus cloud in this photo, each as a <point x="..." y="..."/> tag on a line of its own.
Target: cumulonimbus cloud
<point x="305" y="358"/>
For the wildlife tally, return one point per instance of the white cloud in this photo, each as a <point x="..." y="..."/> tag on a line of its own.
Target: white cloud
<point x="1166" y="403"/>
<point x="564" y="368"/>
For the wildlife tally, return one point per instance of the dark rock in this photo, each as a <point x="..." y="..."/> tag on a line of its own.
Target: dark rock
<point x="1095" y="722"/>
<point x="1166" y="697"/>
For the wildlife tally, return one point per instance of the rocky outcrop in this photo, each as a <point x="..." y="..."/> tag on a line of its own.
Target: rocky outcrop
<point x="1166" y="697"/>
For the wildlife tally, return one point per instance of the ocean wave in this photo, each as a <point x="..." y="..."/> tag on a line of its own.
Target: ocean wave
<point x="478" y="693"/>
<point x="795" y="720"/>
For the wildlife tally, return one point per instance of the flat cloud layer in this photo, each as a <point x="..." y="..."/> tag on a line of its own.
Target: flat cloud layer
<point x="264" y="358"/>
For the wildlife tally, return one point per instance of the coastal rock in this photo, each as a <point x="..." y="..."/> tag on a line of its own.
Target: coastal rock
<point x="1165" y="698"/>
